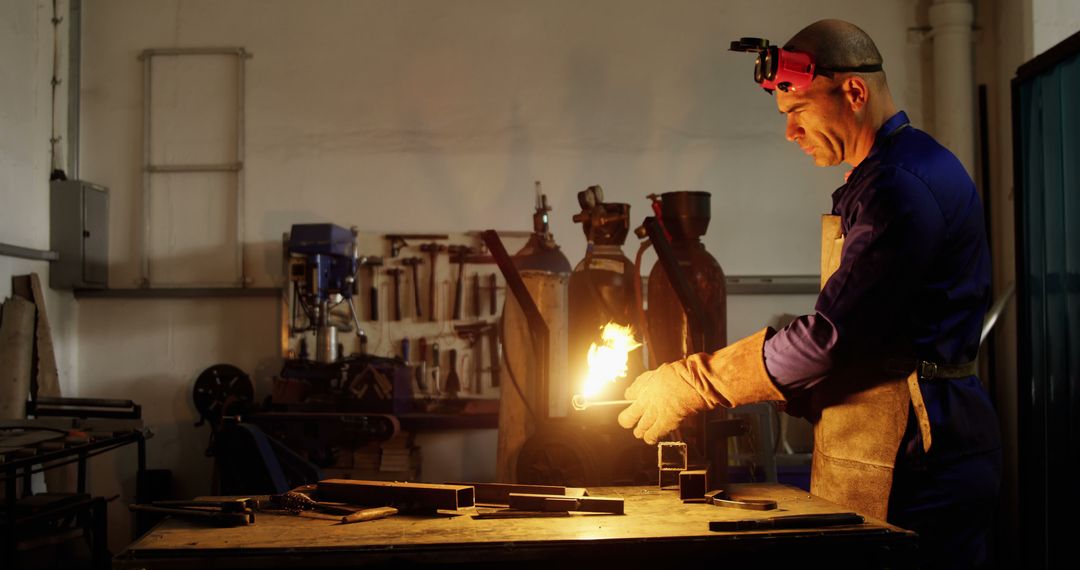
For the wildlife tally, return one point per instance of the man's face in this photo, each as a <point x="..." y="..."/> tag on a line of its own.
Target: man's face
<point x="817" y="120"/>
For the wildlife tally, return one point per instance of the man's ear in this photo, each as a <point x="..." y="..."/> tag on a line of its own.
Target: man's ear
<point x="856" y="92"/>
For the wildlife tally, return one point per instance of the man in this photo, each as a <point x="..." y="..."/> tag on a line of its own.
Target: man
<point x="885" y="366"/>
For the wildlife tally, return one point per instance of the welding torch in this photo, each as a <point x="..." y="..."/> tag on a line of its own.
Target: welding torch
<point x="581" y="402"/>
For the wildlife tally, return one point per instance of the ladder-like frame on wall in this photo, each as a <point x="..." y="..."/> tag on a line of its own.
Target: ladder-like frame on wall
<point x="149" y="168"/>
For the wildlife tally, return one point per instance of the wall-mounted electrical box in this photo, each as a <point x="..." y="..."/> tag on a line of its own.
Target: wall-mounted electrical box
<point x="79" y="232"/>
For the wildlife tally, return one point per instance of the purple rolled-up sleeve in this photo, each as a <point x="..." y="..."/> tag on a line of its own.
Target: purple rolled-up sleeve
<point x="800" y="355"/>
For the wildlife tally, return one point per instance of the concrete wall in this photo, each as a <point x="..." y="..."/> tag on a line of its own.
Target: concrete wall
<point x="422" y="116"/>
<point x="26" y="66"/>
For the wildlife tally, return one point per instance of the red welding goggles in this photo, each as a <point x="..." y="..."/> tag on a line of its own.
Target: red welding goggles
<point x="778" y="68"/>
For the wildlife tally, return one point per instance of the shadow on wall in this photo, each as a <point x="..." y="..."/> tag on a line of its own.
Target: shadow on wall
<point x="418" y="124"/>
<point x="175" y="445"/>
<point x="215" y="266"/>
<point x="152" y="350"/>
<point x="620" y="125"/>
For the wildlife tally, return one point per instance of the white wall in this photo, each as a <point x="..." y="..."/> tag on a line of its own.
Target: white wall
<point x="433" y="115"/>
<point x="1053" y="21"/>
<point x="456" y="107"/>
<point x="26" y="59"/>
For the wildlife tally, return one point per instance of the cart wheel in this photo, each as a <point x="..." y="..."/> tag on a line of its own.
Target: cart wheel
<point x="635" y="464"/>
<point x="558" y="456"/>
<point x="221" y="390"/>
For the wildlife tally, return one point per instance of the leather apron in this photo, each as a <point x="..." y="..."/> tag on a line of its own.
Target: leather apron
<point x="861" y="422"/>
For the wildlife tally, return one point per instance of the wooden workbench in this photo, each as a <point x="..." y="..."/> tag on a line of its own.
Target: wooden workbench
<point x="657" y="531"/>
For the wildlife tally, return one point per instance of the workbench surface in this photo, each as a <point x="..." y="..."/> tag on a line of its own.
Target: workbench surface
<point x="657" y="529"/>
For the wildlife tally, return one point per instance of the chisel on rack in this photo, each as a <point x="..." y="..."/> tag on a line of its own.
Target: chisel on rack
<point x="476" y="296"/>
<point x="436" y="376"/>
<point x="477" y="386"/>
<point x="494" y="354"/>
<point x="453" y="382"/>
<point x="421" y="365"/>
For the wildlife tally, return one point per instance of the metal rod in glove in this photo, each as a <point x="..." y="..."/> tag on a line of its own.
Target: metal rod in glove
<point x="582" y="403"/>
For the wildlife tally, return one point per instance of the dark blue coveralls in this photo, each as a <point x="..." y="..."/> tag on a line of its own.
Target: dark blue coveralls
<point x="913" y="284"/>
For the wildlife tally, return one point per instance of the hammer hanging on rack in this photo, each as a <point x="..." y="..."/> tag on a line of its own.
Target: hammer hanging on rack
<point x="432" y="249"/>
<point x="395" y="272"/>
<point x="398" y="241"/>
<point x="373" y="264"/>
<point x="414" y="263"/>
<point x="462" y="252"/>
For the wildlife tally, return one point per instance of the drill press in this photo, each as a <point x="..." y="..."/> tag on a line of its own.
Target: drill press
<point x="323" y="262"/>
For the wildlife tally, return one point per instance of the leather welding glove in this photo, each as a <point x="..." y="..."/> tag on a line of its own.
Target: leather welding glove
<point x="729" y="377"/>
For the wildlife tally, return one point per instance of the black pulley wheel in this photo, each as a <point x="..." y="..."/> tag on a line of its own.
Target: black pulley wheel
<point x="220" y="390"/>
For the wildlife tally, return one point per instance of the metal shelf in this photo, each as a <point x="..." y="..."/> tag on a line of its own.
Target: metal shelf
<point x="773" y="284"/>
<point x="177" y="293"/>
<point x="428" y="421"/>
<point x="9" y="250"/>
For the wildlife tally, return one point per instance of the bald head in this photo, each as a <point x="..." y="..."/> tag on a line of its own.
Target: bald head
<point x="836" y="44"/>
<point x="836" y="119"/>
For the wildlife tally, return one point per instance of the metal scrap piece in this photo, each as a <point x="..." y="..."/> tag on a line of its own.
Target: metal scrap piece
<point x="721" y="498"/>
<point x="558" y="503"/>
<point x="407" y="497"/>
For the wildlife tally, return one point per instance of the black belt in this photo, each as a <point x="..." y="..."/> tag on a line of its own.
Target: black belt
<point x="932" y="370"/>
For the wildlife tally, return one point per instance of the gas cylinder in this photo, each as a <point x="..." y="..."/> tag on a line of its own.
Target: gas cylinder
<point x="685" y="217"/>
<point x="525" y="403"/>
<point x="601" y="288"/>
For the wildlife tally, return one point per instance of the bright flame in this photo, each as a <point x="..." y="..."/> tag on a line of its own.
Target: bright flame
<point x="607" y="360"/>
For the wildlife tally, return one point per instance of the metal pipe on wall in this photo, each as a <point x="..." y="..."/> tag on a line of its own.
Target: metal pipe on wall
<point x="74" y="84"/>
<point x="954" y="85"/>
